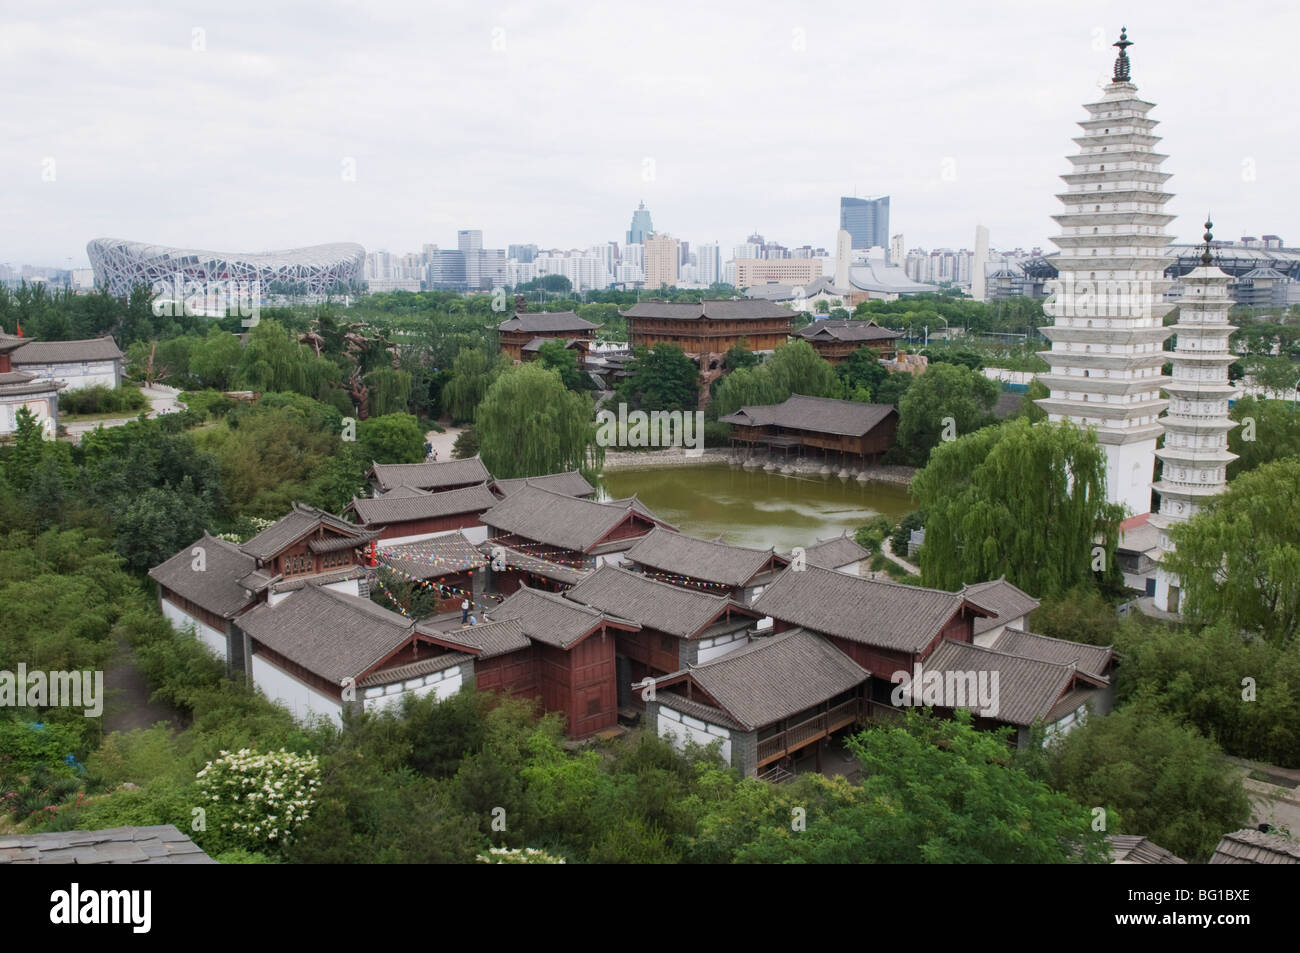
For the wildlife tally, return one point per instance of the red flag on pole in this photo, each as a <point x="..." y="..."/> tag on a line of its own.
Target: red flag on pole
<point x="20" y="330"/>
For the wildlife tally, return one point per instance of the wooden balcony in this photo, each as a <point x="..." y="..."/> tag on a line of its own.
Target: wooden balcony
<point x="813" y="728"/>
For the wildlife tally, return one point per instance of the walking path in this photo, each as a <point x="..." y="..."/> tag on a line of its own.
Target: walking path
<point x="128" y="703"/>
<point x="443" y="442"/>
<point x="162" y="400"/>
<point x="899" y="560"/>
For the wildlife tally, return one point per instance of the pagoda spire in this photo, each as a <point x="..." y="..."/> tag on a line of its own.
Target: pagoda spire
<point x="1207" y="257"/>
<point x="1121" y="62"/>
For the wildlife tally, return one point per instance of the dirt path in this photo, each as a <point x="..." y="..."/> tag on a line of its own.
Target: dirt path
<point x="128" y="705"/>
<point x="443" y="442"/>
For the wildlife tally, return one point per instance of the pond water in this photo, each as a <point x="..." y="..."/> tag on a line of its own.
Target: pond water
<point x="757" y="508"/>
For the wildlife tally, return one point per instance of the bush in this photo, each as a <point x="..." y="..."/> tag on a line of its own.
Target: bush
<point x="102" y="400"/>
<point x="870" y="536"/>
<point x="255" y="800"/>
<point x="466" y="444"/>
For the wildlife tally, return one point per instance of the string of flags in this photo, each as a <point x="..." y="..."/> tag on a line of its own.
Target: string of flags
<point x="687" y="580"/>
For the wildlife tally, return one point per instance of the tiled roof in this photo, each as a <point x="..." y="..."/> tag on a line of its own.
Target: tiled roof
<point x="423" y="505"/>
<point x="1003" y="598"/>
<point x="1092" y="660"/>
<point x="517" y="559"/>
<point x="1027" y="688"/>
<point x="430" y="476"/>
<point x="66" y="352"/>
<point x="548" y="617"/>
<point x="158" y="844"/>
<point x="1133" y="849"/>
<point x="709" y="560"/>
<point x="425" y="666"/>
<point x="777" y="676"/>
<point x="217" y="587"/>
<point x="869" y="611"/>
<point x="835" y="552"/>
<point x="817" y="414"/>
<point x="743" y="309"/>
<point x="333" y="635"/>
<point x="570" y="483"/>
<point x="486" y="641"/>
<point x="1250" y="846"/>
<point x="848" y="330"/>
<point x="20" y="382"/>
<point x="443" y="555"/>
<point x="550" y="321"/>
<point x="559" y="520"/>
<point x="300" y="521"/>
<point x="656" y="605"/>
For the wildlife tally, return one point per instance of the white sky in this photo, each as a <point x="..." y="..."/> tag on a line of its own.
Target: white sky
<point x="755" y="115"/>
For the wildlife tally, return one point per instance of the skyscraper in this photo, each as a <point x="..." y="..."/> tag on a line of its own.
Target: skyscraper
<point x="1195" y="454"/>
<point x="709" y="263"/>
<point x="641" y="226"/>
<point x="1108" y="308"/>
<point x="866" y="221"/>
<point x="661" y="261"/>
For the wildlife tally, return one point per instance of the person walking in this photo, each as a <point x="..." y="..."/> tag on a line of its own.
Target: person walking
<point x="464" y="611"/>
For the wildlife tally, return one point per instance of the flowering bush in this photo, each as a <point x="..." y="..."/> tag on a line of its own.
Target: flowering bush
<point x="258" y="800"/>
<point x="518" y="855"/>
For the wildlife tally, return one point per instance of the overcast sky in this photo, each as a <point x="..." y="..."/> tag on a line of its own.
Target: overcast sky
<point x="248" y="126"/>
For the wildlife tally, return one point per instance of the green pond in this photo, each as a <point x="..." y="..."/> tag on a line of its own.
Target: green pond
<point x="757" y="508"/>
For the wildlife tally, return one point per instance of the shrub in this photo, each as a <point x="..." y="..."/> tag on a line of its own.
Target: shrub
<point x="102" y="400"/>
<point x="258" y="800"/>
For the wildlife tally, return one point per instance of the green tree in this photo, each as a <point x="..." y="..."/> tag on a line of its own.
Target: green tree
<point x="1238" y="559"/>
<point x="1269" y="430"/>
<point x="215" y="359"/>
<point x="1025" y="501"/>
<point x="29" y="447"/>
<point x="739" y="355"/>
<point x="945" y="401"/>
<point x="1152" y="776"/>
<point x="472" y="375"/>
<point x="797" y="368"/>
<point x="564" y="361"/>
<point x="530" y="424"/>
<point x="392" y="438"/>
<point x="893" y="388"/>
<point x="1080" y="615"/>
<point x="662" y="379"/>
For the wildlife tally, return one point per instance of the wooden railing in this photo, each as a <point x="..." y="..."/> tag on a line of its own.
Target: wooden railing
<point x="810" y="729"/>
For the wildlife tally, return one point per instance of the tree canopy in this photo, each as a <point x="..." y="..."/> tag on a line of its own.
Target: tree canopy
<point x="946" y="401"/>
<point x="530" y="424"/>
<point x="1027" y="501"/>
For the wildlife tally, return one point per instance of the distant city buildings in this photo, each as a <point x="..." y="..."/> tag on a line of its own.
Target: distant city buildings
<point x="762" y="271"/>
<point x="866" y="221"/>
<point x="641" y="227"/>
<point x="661" y="261"/>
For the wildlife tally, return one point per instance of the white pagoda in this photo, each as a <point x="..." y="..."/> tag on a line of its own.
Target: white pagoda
<point x="1195" y="454"/>
<point x="1108" y="306"/>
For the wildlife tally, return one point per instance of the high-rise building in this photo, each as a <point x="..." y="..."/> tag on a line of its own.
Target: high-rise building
<point x="786" y="271"/>
<point x="866" y="220"/>
<point x="896" y="253"/>
<point x="661" y="261"/>
<point x="1107" y="333"/>
<point x="1195" y="454"/>
<point x="708" y="268"/>
<point x="977" y="287"/>
<point x="522" y="253"/>
<point x="469" y="239"/>
<point x="642" y="227"/>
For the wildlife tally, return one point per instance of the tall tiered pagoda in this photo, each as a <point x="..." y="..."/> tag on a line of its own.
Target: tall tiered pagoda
<point x="1108" y="333"/>
<point x="1195" y="454"/>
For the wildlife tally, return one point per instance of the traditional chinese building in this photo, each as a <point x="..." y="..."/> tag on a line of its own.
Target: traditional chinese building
<point x="709" y="327"/>
<point x="709" y="565"/>
<point x="836" y="340"/>
<point x="843" y="430"/>
<point x="407" y="513"/>
<point x="522" y="335"/>
<point x="24" y="389"/>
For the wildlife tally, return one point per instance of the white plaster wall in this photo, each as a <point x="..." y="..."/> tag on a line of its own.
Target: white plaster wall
<point x="212" y="638"/>
<point x="302" y="700"/>
<point x="718" y="648"/>
<point x="77" y="376"/>
<point x="442" y="684"/>
<point x="1129" y="468"/>
<point x="679" y="728"/>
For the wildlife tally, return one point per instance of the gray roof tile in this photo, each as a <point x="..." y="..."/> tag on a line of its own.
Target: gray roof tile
<point x="430" y="476"/>
<point x="423" y="505"/>
<point x="708" y="560"/>
<point x="1003" y="598"/>
<point x="556" y="519"/>
<point x="653" y="604"/>
<point x="816" y="414"/>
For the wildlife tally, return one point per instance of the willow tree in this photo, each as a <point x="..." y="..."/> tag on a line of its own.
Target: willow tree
<point x="1027" y="501"/>
<point x="530" y="424"/>
<point x="1238" y="560"/>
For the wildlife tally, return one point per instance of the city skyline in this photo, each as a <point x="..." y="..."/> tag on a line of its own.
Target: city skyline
<point x="330" y="158"/>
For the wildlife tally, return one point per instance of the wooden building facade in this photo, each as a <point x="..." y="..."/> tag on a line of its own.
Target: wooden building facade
<point x="709" y="327"/>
